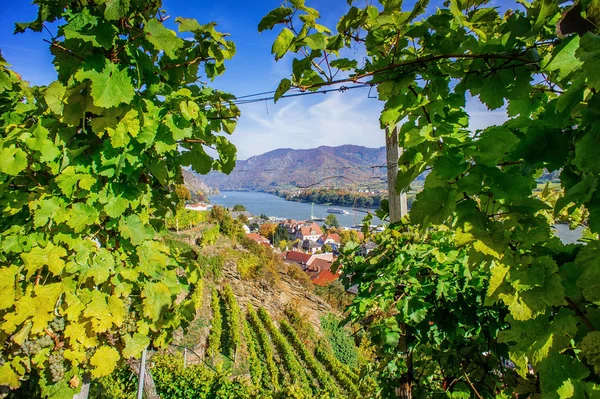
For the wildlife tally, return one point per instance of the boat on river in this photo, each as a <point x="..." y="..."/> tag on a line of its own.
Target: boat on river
<point x="337" y="210"/>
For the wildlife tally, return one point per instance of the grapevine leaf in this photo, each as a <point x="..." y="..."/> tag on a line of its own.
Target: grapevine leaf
<point x="433" y="206"/>
<point x="40" y="142"/>
<point x="7" y="286"/>
<point x="12" y="160"/>
<point x="51" y="256"/>
<point x="274" y="17"/>
<point x="8" y="377"/>
<point x="590" y="349"/>
<point x="135" y="345"/>
<point x="135" y="230"/>
<point x="283" y="88"/>
<point x="110" y="87"/>
<point x="104" y="360"/>
<point x="55" y="97"/>
<point x="563" y="60"/>
<point x="157" y="298"/>
<point x="81" y="216"/>
<point x="586" y="154"/>
<point x="282" y="43"/>
<point x="589" y="54"/>
<point x="162" y="39"/>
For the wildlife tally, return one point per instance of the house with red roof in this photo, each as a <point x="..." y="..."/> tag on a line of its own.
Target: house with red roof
<point x="330" y="239"/>
<point x="299" y="258"/>
<point x="258" y="238"/>
<point x="324" y="278"/>
<point x="311" y="232"/>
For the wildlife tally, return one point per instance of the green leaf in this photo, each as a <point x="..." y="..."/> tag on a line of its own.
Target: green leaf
<point x="55" y="97"/>
<point x="162" y="39"/>
<point x="51" y="256"/>
<point x="493" y="92"/>
<point x="344" y="64"/>
<point x="590" y="349"/>
<point x="563" y="61"/>
<point x="110" y="87"/>
<point x="586" y="152"/>
<point x="135" y="230"/>
<point x="81" y="216"/>
<point x="316" y="41"/>
<point x="12" y="160"/>
<point x="589" y="54"/>
<point x="156" y="300"/>
<point x="283" y="88"/>
<point x="282" y="43"/>
<point x="493" y="146"/>
<point x="274" y="17"/>
<point x="134" y="346"/>
<point x="104" y="361"/>
<point x="40" y="142"/>
<point x="116" y="9"/>
<point x="433" y="206"/>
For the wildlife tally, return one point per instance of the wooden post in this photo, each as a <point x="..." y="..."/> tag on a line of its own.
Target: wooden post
<point x="85" y="388"/>
<point x="398" y="202"/>
<point x="184" y="358"/>
<point x="398" y="209"/>
<point x="141" y="376"/>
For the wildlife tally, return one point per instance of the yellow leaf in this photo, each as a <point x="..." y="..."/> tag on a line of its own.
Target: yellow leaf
<point x="50" y="256"/>
<point x="8" y="377"/>
<point x="104" y="360"/>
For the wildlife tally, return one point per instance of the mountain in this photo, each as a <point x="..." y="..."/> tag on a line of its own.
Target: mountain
<point x="286" y="168"/>
<point x="195" y="184"/>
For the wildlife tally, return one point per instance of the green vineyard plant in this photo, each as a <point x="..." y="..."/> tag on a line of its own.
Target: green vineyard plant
<point x="265" y="344"/>
<point x="88" y="165"/>
<point x="213" y="343"/>
<point x="318" y="371"/>
<point x="294" y="369"/>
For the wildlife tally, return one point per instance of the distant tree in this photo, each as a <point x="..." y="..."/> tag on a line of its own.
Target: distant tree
<point x="267" y="230"/>
<point x="348" y="235"/>
<point x="332" y="220"/>
<point x="183" y="195"/>
<point x="281" y="234"/>
<point x="242" y="218"/>
<point x="282" y="245"/>
<point x="239" y="208"/>
<point x="263" y="216"/>
<point x="327" y="248"/>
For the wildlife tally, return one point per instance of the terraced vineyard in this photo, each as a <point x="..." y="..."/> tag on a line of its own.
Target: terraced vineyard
<point x="274" y="360"/>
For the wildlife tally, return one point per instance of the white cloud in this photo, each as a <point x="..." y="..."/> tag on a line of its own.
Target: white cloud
<point x="337" y="119"/>
<point x="340" y="118"/>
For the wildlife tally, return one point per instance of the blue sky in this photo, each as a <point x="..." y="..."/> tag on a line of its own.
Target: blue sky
<point x="304" y="122"/>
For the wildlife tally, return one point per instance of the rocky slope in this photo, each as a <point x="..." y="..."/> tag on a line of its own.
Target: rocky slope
<point x="195" y="184"/>
<point x="288" y="168"/>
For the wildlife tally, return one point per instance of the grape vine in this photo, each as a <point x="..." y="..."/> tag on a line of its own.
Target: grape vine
<point x="88" y="167"/>
<point x="265" y="344"/>
<point x="318" y="371"/>
<point x="295" y="371"/>
<point x="234" y="318"/>
<point x="216" y="325"/>
<point x="538" y="62"/>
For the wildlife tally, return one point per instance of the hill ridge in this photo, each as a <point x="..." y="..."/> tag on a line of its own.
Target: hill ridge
<point x="286" y="167"/>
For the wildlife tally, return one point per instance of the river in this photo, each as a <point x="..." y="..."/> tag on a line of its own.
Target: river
<point x="272" y="205"/>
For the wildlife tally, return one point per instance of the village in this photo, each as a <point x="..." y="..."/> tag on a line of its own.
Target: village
<point x="307" y="244"/>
